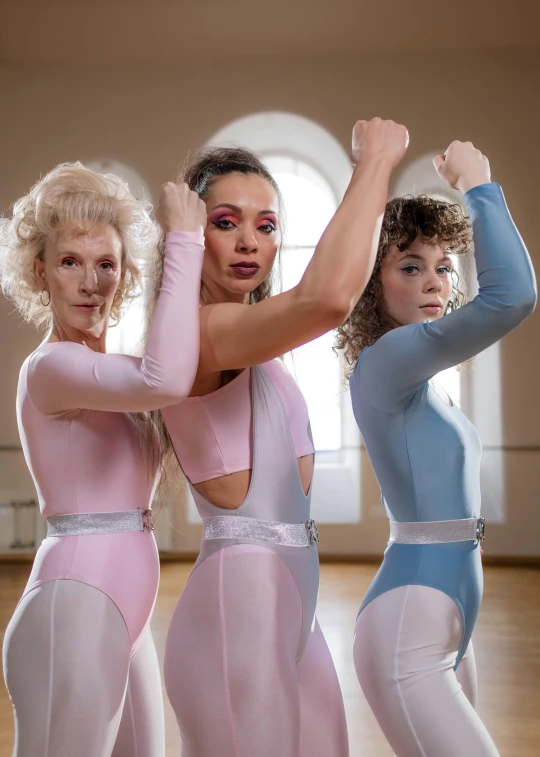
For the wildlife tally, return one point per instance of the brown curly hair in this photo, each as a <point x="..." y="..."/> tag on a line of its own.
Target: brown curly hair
<point x="405" y="219"/>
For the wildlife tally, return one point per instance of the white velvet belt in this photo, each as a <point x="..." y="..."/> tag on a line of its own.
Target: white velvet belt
<point x="238" y="527"/>
<point x="438" y="531"/>
<point x="85" y="524"/>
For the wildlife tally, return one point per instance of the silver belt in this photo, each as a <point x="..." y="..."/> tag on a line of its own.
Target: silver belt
<point x="238" y="527"/>
<point x="84" y="524"/>
<point x="438" y="531"/>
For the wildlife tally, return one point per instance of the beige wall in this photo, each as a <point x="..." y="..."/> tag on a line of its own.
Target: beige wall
<point x="149" y="116"/>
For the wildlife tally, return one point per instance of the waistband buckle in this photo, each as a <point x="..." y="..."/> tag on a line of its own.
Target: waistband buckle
<point x="313" y="531"/>
<point x="480" y="529"/>
<point x="148" y="520"/>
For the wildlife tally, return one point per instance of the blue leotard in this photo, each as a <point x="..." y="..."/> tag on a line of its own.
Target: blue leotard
<point x="426" y="453"/>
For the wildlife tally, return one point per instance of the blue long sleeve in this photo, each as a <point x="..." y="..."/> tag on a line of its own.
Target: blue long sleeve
<point x="395" y="367"/>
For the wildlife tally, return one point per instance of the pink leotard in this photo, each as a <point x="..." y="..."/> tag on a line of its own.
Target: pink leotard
<point x="81" y="444"/>
<point x="219" y="438"/>
<point x="246" y="667"/>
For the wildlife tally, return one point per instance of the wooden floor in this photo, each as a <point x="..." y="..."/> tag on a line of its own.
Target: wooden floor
<point x="507" y="645"/>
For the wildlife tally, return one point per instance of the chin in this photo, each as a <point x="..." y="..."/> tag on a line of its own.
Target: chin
<point x="243" y="287"/>
<point x="89" y="325"/>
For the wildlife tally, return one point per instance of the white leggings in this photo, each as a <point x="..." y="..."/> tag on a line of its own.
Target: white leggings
<point x="230" y="664"/>
<point x="405" y="648"/>
<point x="74" y="689"/>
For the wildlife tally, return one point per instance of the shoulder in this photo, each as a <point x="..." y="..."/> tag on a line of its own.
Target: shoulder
<point x="387" y="348"/>
<point x="54" y="355"/>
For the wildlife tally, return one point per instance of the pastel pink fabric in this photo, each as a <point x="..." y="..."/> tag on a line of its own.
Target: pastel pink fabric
<point x="81" y="444"/>
<point x="219" y="438"/>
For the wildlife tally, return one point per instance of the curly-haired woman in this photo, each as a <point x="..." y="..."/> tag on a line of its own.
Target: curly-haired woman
<point x="412" y="645"/>
<point x="79" y="661"/>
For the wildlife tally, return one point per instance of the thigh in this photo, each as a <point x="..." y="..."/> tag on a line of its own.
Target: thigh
<point x="66" y="657"/>
<point x="230" y="662"/>
<point x="405" y="647"/>
<point x="466" y="675"/>
<point x="142" y="728"/>
<point x="323" y="729"/>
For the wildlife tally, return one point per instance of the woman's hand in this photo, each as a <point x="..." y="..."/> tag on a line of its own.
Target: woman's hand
<point x="379" y="139"/>
<point x="180" y="209"/>
<point x="462" y="166"/>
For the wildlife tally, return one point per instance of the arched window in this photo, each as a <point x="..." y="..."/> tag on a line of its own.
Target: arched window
<point x="477" y="387"/>
<point x="312" y="171"/>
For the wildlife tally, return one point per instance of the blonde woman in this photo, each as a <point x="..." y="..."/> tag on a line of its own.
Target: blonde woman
<point x="79" y="661"/>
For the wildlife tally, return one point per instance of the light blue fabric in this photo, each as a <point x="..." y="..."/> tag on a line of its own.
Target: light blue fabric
<point x="425" y="453"/>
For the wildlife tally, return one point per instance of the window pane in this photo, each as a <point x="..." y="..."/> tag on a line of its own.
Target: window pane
<point x="309" y="206"/>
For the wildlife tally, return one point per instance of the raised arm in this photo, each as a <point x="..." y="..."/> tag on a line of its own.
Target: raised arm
<point x="405" y="358"/>
<point x="66" y="376"/>
<point x="236" y="336"/>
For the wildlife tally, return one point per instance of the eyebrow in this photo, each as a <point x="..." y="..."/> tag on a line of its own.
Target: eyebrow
<point x="407" y="254"/>
<point x="239" y="210"/>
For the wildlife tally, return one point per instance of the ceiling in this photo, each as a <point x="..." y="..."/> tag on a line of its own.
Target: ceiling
<point x="144" y="31"/>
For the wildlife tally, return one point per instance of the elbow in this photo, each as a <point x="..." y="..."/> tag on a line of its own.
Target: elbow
<point x="175" y="392"/>
<point x="521" y="308"/>
<point x="526" y="304"/>
<point x="530" y="303"/>
<point x="332" y="311"/>
<point x="172" y="390"/>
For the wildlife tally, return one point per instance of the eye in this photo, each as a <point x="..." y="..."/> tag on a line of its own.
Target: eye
<point x="443" y="269"/>
<point x="267" y="228"/>
<point x="410" y="269"/>
<point x="68" y="262"/>
<point x="225" y="224"/>
<point x="107" y="266"/>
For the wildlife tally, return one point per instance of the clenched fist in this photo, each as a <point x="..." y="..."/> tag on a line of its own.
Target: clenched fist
<point x="378" y="138"/>
<point x="180" y="209"/>
<point x="462" y="166"/>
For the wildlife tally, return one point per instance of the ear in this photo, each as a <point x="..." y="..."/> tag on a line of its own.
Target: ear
<point x="39" y="272"/>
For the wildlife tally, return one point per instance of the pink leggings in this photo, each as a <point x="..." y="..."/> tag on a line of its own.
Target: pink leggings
<point x="405" y="648"/>
<point x="230" y="666"/>
<point x="76" y="689"/>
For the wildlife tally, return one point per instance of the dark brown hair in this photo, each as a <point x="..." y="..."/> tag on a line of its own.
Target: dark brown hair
<point x="203" y="167"/>
<point x="405" y="219"/>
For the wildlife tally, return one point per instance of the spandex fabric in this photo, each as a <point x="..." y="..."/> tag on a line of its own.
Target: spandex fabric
<point x="247" y="669"/>
<point x="79" y="638"/>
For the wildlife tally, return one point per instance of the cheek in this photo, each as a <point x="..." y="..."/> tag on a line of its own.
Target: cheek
<point x="268" y="249"/>
<point x="447" y="289"/>
<point x="398" y="290"/>
<point x="217" y="246"/>
<point x="109" y="283"/>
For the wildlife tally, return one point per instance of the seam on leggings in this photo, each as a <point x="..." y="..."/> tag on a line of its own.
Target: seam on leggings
<point x="224" y="652"/>
<point x="132" y="720"/>
<point x="46" y="741"/>
<point x="302" y="632"/>
<point x="396" y="672"/>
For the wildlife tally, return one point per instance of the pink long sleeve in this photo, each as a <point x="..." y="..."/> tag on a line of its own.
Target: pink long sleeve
<point x="66" y="376"/>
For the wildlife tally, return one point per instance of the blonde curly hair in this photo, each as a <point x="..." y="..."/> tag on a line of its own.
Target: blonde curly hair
<point x="72" y="197"/>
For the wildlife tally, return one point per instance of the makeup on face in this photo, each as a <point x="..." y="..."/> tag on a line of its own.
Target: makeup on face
<point x="83" y="273"/>
<point x="242" y="234"/>
<point x="227" y="216"/>
<point x="417" y="282"/>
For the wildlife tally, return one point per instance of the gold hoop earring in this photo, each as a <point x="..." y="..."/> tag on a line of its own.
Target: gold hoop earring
<point x="45" y="304"/>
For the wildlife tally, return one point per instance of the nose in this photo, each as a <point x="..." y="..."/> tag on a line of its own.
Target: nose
<point x="89" y="281"/>
<point x="247" y="240"/>
<point x="433" y="282"/>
